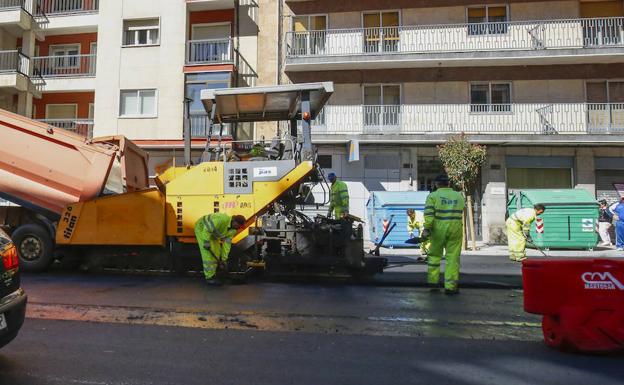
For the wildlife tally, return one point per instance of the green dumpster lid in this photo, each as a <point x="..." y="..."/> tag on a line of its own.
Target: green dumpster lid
<point x="558" y="196"/>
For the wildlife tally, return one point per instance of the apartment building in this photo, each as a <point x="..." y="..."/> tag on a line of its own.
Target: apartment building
<point x="155" y="58"/>
<point x="541" y="83"/>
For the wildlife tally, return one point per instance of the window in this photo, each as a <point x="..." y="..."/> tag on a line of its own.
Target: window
<point x="65" y="56"/>
<point x="137" y="103"/>
<point x="324" y="161"/>
<point x="490" y="97"/>
<point x="195" y="83"/>
<point x="487" y="20"/>
<point x="141" y="32"/>
<point x="382" y="105"/>
<point x="605" y="104"/>
<point x="310" y="34"/>
<point x="381" y="31"/>
<point x="210" y="43"/>
<point x="61" y="111"/>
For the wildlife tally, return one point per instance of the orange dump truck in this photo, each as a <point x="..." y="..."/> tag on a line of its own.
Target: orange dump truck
<point x="44" y="169"/>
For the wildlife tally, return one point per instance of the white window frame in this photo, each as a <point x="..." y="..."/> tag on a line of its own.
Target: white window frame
<point x="363" y="13"/>
<point x="140" y="28"/>
<point x="487" y="8"/>
<point x="489" y="96"/>
<point x="91" y="111"/>
<point x="382" y="86"/>
<point x="325" y="15"/>
<point x="138" y="91"/>
<point x="47" y="109"/>
<point x="487" y="18"/>
<point x="65" y="60"/>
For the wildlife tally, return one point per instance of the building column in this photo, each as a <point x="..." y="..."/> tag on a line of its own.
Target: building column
<point x="494" y="202"/>
<point x="585" y="175"/>
<point x="25" y="104"/>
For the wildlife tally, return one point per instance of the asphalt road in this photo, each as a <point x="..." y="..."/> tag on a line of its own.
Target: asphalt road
<point x="139" y="330"/>
<point x="65" y="352"/>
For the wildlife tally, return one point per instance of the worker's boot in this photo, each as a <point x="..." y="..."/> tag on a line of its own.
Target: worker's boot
<point x="451" y="291"/>
<point x="214" y="281"/>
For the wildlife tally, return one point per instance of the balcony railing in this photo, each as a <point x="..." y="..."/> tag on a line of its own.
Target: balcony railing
<point x="514" y="35"/>
<point x="516" y="118"/>
<point x="199" y="126"/>
<point x="12" y="4"/>
<point x="14" y="61"/>
<point x="82" y="127"/>
<point x="66" y="7"/>
<point x="209" y="51"/>
<point x="65" y="66"/>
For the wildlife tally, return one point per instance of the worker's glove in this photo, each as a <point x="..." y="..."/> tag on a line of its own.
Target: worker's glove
<point x="425" y="234"/>
<point x="207" y="245"/>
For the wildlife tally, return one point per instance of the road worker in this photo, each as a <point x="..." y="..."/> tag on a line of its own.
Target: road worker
<point x="417" y="222"/>
<point x="618" y="218"/>
<point x="338" y="197"/>
<point x="214" y="233"/>
<point x="443" y="225"/>
<point x="518" y="226"/>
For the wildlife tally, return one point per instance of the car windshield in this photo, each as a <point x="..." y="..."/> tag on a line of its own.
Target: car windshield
<point x="4" y="238"/>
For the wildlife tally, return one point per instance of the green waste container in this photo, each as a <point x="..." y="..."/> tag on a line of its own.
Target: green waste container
<point x="569" y="221"/>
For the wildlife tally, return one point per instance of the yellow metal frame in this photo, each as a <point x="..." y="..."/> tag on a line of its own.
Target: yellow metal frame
<point x="197" y="191"/>
<point x="136" y="218"/>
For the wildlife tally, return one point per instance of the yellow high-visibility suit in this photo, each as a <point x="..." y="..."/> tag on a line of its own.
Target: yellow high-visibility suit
<point x="338" y="199"/>
<point x="418" y="222"/>
<point x="443" y="218"/>
<point x="517" y="224"/>
<point x="215" y="229"/>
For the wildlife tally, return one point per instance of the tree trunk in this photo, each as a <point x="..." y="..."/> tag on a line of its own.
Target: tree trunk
<point x="471" y="223"/>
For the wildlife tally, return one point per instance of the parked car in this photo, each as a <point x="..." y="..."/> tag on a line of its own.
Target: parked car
<point x="12" y="296"/>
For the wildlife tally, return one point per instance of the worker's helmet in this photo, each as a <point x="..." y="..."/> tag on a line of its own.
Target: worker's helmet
<point x="331" y="176"/>
<point x="442" y="179"/>
<point x="239" y="220"/>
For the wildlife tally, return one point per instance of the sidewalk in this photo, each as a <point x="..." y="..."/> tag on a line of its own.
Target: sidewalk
<point x="488" y="267"/>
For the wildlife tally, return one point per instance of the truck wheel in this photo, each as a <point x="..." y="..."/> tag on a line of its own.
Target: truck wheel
<point x="34" y="247"/>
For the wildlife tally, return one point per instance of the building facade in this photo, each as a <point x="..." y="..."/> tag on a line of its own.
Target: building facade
<point x="541" y="83"/>
<point x="155" y="56"/>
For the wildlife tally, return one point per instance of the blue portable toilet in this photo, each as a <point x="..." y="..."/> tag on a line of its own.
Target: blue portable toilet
<point x="384" y="205"/>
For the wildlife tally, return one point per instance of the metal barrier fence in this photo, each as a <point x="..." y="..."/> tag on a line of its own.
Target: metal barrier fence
<point x="52" y="7"/>
<point x="82" y="127"/>
<point x="65" y="66"/>
<point x="512" y="35"/>
<point x="515" y="118"/>
<point x="209" y="51"/>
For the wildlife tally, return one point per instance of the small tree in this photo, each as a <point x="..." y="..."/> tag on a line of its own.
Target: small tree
<point x="462" y="162"/>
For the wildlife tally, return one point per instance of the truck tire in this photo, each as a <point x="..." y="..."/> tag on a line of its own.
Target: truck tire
<point x="34" y="247"/>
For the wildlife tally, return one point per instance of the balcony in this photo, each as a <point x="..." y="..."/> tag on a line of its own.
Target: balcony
<point x="83" y="127"/>
<point x="509" y="119"/>
<point x="15" y="16"/>
<point x="66" y="7"/>
<point x="14" y="71"/>
<point x="213" y="51"/>
<point x="66" y="72"/>
<point x="68" y="16"/>
<point x="506" y="43"/>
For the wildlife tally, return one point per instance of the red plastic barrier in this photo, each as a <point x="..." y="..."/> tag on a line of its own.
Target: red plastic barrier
<point x="582" y="301"/>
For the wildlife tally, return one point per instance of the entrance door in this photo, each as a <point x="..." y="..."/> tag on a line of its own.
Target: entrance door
<point x="382" y="107"/>
<point x="310" y="34"/>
